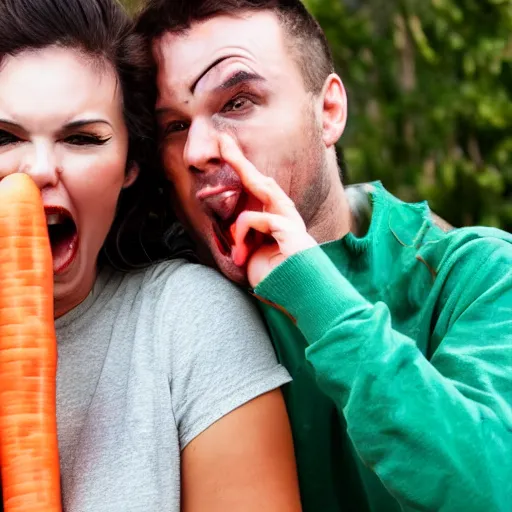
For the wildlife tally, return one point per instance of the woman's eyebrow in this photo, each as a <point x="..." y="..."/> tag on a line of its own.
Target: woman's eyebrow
<point x="69" y="126"/>
<point x="85" y="122"/>
<point x="5" y="122"/>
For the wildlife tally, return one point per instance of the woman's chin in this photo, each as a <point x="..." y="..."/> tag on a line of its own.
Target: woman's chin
<point x="71" y="287"/>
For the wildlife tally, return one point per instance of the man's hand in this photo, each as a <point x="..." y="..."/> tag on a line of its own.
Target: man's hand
<point x="279" y="218"/>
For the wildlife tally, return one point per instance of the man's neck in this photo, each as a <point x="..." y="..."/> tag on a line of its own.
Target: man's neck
<point x="332" y="219"/>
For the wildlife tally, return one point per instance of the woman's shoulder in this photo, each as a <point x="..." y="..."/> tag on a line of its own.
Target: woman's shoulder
<point x="176" y="288"/>
<point x="197" y="298"/>
<point x="188" y="280"/>
<point x="213" y="343"/>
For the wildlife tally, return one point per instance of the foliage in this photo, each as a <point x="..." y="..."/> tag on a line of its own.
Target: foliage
<point x="131" y="5"/>
<point x="430" y="100"/>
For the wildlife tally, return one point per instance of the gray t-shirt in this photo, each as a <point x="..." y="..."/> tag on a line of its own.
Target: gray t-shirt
<point x="146" y="363"/>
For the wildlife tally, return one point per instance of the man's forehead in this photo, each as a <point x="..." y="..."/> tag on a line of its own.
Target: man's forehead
<point x="184" y="57"/>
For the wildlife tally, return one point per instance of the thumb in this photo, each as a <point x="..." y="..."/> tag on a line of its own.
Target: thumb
<point x="262" y="262"/>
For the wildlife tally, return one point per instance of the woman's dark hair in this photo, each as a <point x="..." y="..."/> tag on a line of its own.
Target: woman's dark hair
<point x="102" y="30"/>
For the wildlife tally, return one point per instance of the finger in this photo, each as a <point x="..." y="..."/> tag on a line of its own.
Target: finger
<point x="265" y="189"/>
<point x="289" y="236"/>
<point x="263" y="222"/>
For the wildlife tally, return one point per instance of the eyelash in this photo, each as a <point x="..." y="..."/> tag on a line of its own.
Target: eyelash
<point x="86" y="140"/>
<point x="78" y="139"/>
<point x="240" y="97"/>
<point x="7" y="138"/>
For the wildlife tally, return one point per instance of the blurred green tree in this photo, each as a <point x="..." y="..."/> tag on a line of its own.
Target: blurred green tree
<point x="430" y="100"/>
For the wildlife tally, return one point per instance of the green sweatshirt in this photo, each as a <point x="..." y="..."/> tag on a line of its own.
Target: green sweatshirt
<point x="400" y="347"/>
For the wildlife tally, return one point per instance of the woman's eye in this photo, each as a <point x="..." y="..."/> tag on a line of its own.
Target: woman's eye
<point x="7" y="138"/>
<point x="86" y="140"/>
<point x="237" y="104"/>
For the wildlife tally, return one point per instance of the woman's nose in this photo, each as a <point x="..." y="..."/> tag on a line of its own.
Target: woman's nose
<point x="41" y="165"/>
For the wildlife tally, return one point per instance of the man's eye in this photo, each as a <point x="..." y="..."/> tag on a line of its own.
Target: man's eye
<point x="7" y="138"/>
<point x="237" y="104"/>
<point x="175" y="126"/>
<point x="80" y="139"/>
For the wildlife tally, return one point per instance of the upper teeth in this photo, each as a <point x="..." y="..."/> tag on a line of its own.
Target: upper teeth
<point x="54" y="218"/>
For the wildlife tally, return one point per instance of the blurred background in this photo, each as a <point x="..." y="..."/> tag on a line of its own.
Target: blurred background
<point x="430" y="100"/>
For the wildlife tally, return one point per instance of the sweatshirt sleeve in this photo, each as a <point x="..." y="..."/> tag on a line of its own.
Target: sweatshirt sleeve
<point x="438" y="432"/>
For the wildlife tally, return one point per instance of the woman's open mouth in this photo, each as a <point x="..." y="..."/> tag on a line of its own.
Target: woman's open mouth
<point x="63" y="235"/>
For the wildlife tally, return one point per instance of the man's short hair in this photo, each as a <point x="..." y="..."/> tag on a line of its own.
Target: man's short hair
<point x="305" y="39"/>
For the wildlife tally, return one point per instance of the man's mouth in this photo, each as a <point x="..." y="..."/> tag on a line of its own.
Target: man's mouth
<point x="224" y="206"/>
<point x="63" y="235"/>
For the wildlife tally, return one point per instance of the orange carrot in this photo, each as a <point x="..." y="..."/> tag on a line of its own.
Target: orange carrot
<point x="29" y="457"/>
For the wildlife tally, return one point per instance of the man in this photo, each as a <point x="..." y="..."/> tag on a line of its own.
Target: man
<point x="398" y="334"/>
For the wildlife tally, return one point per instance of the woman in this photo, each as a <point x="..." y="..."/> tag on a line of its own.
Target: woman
<point x="167" y="384"/>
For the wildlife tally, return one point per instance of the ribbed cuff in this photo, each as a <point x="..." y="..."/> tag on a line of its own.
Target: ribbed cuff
<point x="313" y="291"/>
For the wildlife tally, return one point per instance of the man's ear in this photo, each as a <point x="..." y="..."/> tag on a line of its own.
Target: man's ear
<point x="131" y="175"/>
<point x="334" y="110"/>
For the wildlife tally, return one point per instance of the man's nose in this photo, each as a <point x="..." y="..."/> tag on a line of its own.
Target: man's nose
<point x="202" y="148"/>
<point x="41" y="165"/>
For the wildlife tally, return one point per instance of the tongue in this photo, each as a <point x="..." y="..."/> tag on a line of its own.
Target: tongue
<point x="63" y="240"/>
<point x="224" y="205"/>
<point x="60" y="253"/>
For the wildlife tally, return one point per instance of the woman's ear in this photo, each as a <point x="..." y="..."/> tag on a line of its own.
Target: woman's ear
<point x="334" y="110"/>
<point x="131" y="174"/>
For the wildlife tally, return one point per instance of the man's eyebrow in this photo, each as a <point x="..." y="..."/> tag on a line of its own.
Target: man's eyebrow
<point x="248" y="76"/>
<point x="237" y="78"/>
<point x="161" y="111"/>
<point x="211" y="66"/>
